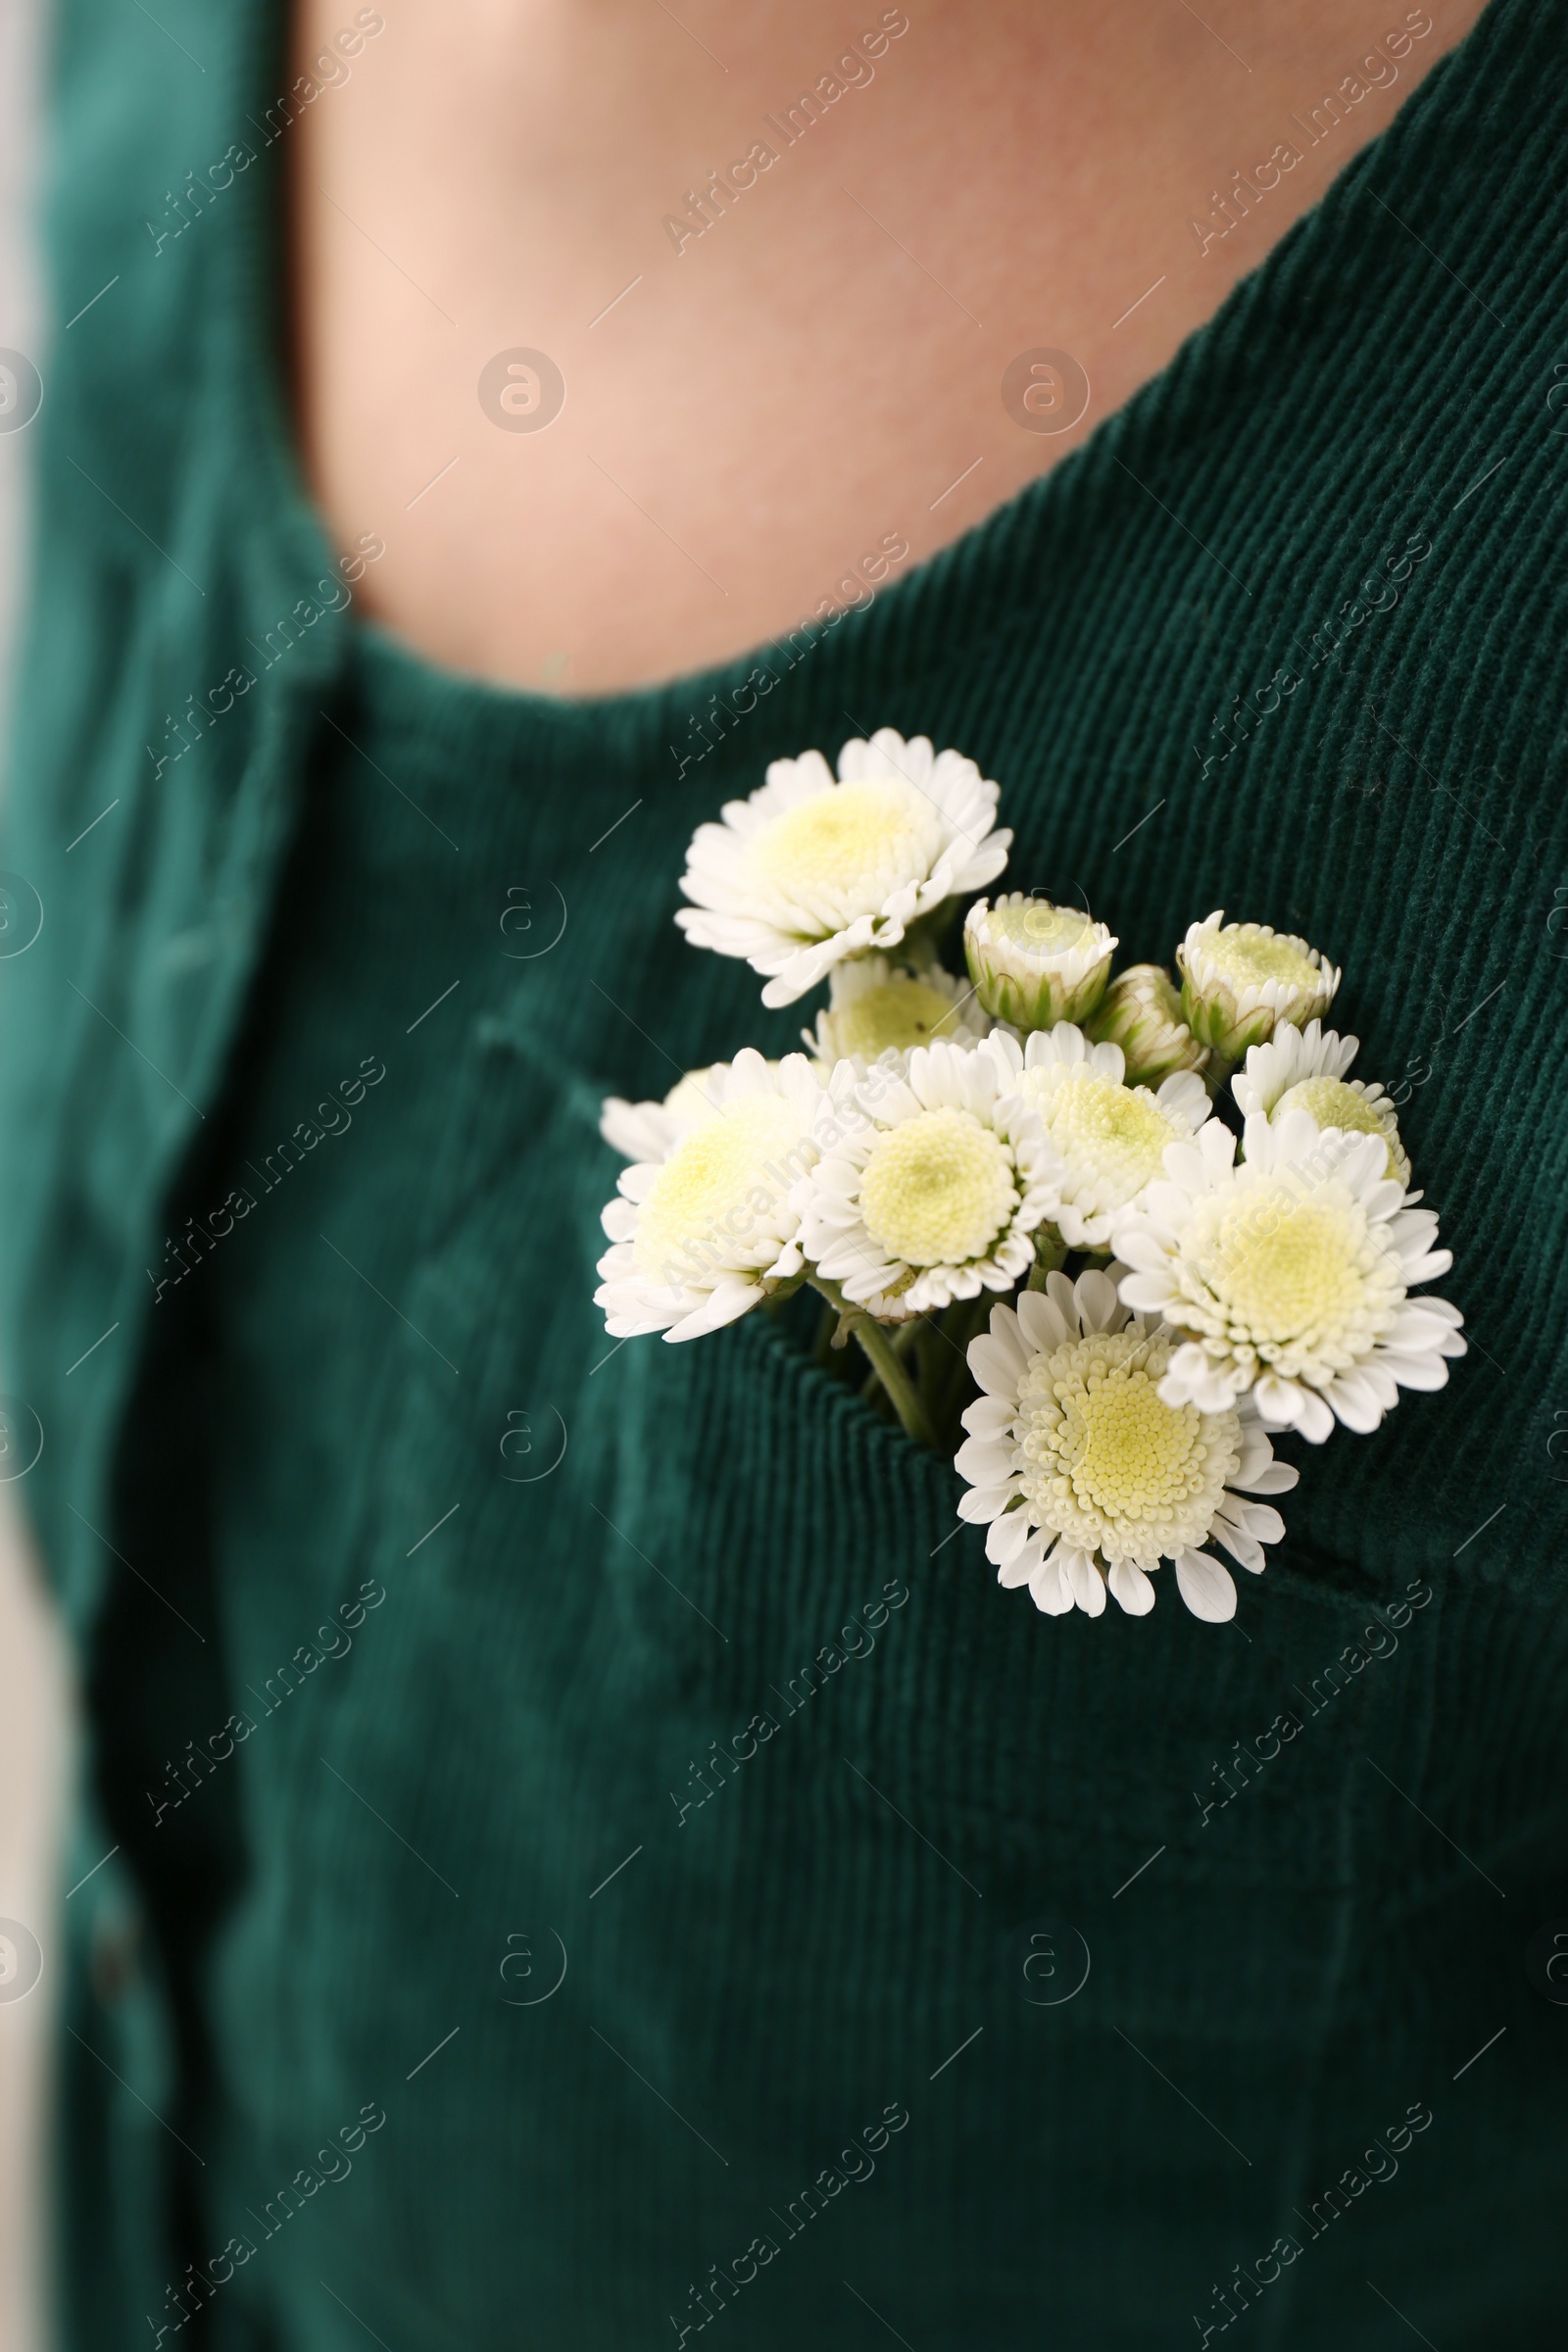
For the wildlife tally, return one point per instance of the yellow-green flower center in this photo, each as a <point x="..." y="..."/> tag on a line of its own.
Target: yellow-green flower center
<point x="837" y="838"/>
<point x="1331" y="1102"/>
<point x="717" y="1199"/>
<point x="1040" y="928"/>
<point x="1249" y="956"/>
<point x="1286" y="1269"/>
<point x="1105" y="1463"/>
<point x="938" y="1189"/>
<point x="1120" y="1130"/>
<point x="899" y="1013"/>
<point x="1113" y="1134"/>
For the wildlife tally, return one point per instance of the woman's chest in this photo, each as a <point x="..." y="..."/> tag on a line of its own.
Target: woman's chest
<point x="708" y="321"/>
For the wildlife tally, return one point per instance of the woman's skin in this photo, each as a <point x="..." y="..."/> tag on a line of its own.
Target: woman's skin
<point x="813" y="372"/>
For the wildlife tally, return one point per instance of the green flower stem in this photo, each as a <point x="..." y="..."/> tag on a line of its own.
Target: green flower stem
<point x="884" y="1360"/>
<point x="1051" y="1255"/>
<point x="1216" y="1071"/>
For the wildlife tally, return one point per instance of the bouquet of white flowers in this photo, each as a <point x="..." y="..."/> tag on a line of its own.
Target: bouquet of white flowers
<point x="1020" y="1185"/>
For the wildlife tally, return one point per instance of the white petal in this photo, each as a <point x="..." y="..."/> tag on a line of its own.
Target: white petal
<point x="729" y="1299"/>
<point x="1140" y="1251"/>
<point x="1382" y="1199"/>
<point x="1275" y="1400"/>
<point x="1313" y="1416"/>
<point x="1187" y="1165"/>
<point x="1144" y="1294"/>
<point x="1040" y="1540"/>
<point x="1003" y="1050"/>
<point x="1428" y="1268"/>
<point x="1415" y="1371"/>
<point x="1355" y="1402"/>
<point x="1005" y="1538"/>
<point x="1206" y="1587"/>
<point x="997" y="1358"/>
<point x="1292" y="1405"/>
<point x="620" y="1219"/>
<point x="1097" y="1301"/>
<point x="1064" y="1297"/>
<point x="1276" y="1478"/>
<point x="1240" y="1544"/>
<point x="978" y="1505"/>
<point x="1184" y="1095"/>
<point x="1087" y="1584"/>
<point x="1216" y="1147"/>
<point x="1414" y="1328"/>
<point x="1049" y="1589"/>
<point x="1041" y="1321"/>
<point x="987" y="1417"/>
<point x="984" y="1461"/>
<point x="1131" y="1588"/>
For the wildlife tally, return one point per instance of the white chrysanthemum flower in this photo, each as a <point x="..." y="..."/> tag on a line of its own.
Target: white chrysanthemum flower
<point x="1085" y="1477"/>
<point x="807" y="871"/>
<point x="698" y="1236"/>
<point x="1239" y="979"/>
<point x="1289" y="1276"/>
<point x="647" y="1130"/>
<point x="1033" y="963"/>
<point x="1142" y="1012"/>
<point x="1106" y="1141"/>
<point x="932" y="1193"/>
<point x="876" y="1008"/>
<point x="1303" y="1070"/>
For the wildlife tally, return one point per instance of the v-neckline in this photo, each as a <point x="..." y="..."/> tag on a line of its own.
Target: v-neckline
<point x="260" y="283"/>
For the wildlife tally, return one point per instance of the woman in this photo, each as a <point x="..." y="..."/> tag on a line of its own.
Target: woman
<point x="576" y="1848"/>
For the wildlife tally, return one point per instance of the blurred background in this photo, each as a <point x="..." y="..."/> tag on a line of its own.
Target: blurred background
<point x="21" y="296"/>
<point x="33" y="1683"/>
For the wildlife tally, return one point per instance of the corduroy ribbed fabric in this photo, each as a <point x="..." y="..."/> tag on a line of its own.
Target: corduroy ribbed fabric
<point x="1282" y="637"/>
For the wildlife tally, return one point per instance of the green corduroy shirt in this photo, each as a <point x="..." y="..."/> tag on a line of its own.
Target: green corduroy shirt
<point x="596" y="1857"/>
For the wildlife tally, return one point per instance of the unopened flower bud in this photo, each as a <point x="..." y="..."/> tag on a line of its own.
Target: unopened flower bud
<point x="1241" y="980"/>
<point x="1035" y="964"/>
<point x="1142" y="1012"/>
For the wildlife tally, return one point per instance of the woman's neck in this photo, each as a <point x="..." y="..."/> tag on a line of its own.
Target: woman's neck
<point x="780" y="260"/>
